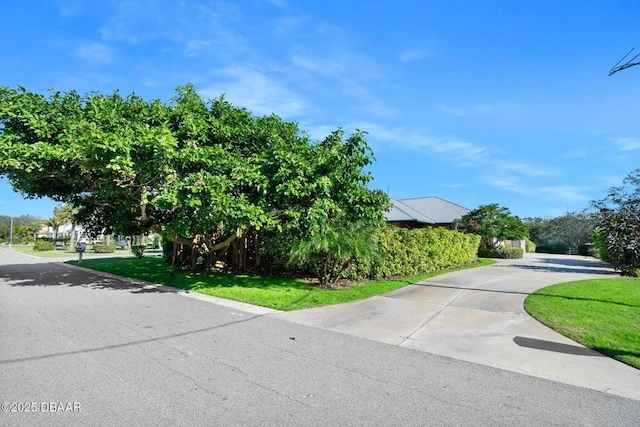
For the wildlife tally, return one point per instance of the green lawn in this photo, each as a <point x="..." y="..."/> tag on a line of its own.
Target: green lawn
<point x="273" y="292"/>
<point x="603" y="314"/>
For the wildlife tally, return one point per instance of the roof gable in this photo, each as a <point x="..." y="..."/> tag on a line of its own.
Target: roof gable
<point x="429" y="210"/>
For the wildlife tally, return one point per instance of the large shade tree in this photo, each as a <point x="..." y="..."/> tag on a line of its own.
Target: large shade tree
<point x="493" y="223"/>
<point x="207" y="175"/>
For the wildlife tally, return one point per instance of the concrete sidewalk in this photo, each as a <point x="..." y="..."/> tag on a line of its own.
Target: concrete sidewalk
<point x="477" y="315"/>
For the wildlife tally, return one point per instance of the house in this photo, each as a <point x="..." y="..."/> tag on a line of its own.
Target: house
<point x="424" y="212"/>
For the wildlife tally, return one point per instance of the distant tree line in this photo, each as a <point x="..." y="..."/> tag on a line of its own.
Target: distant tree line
<point x="25" y="228"/>
<point x="568" y="233"/>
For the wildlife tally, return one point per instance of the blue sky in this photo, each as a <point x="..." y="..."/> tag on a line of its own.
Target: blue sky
<point x="477" y="102"/>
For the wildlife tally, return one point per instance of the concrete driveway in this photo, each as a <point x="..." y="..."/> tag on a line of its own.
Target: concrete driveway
<point x="477" y="315"/>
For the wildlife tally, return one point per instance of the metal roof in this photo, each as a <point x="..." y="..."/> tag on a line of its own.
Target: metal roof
<point x="402" y="212"/>
<point x="429" y="210"/>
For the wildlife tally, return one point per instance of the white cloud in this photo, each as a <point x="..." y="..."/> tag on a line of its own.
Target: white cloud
<point x="343" y="71"/>
<point x="287" y="24"/>
<point x="418" y="139"/>
<point x="256" y="91"/>
<point x="147" y="81"/>
<point x="327" y="66"/>
<point x="527" y="169"/>
<point x="511" y="184"/>
<point x="71" y="8"/>
<point x="565" y="193"/>
<point x="409" y="55"/>
<point x="455" y="185"/>
<point x="482" y="109"/>
<point x="611" y="180"/>
<point x="422" y="49"/>
<point x="95" y="53"/>
<point x="278" y="3"/>
<point x="578" y="153"/>
<point x="627" y="144"/>
<point x="195" y="48"/>
<point x="189" y="23"/>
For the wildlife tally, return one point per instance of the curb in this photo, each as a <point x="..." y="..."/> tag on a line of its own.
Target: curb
<point x="237" y="305"/>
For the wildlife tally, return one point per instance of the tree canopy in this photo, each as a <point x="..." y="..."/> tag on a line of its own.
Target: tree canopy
<point x="492" y="223"/>
<point x="184" y="168"/>
<point x="24" y="227"/>
<point x="617" y="234"/>
<point x="569" y="232"/>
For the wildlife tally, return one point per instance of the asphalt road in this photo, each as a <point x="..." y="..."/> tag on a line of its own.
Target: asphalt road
<point x="80" y="349"/>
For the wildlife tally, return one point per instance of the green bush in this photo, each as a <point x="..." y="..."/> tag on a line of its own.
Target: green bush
<point x="502" y="252"/>
<point x="586" y="249"/>
<point x="330" y="253"/>
<point x="600" y="246"/>
<point x="138" y="250"/>
<point x="410" y="252"/>
<point x="43" y="245"/>
<point x="560" y="248"/>
<point x="530" y="246"/>
<point x="104" y="249"/>
<point x="167" y="249"/>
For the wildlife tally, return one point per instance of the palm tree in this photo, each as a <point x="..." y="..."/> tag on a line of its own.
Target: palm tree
<point x="330" y="251"/>
<point x="54" y="223"/>
<point x="65" y="215"/>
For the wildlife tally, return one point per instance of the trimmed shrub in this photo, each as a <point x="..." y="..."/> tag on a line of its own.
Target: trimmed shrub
<point x="138" y="250"/>
<point x="43" y="245"/>
<point x="104" y="249"/>
<point x="529" y="245"/>
<point x="411" y="252"/>
<point x="600" y="246"/>
<point x="502" y="252"/>
<point x="586" y="249"/>
<point x="560" y="248"/>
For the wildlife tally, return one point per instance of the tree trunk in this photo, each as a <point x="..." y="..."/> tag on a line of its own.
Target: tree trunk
<point x="73" y="235"/>
<point x="258" y="244"/>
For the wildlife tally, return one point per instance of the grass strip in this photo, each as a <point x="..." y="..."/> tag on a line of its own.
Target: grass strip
<point x="273" y="292"/>
<point x="602" y="314"/>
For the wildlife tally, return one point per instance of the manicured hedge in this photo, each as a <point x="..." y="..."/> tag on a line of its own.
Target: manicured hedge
<point x="504" y="253"/>
<point x="104" y="249"/>
<point x="43" y="245"/>
<point x="530" y="246"/>
<point x="406" y="252"/>
<point x="138" y="250"/>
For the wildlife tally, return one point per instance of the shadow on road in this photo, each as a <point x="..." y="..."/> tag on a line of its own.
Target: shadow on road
<point x="576" y="262"/>
<point x="55" y="274"/>
<point x="555" y="268"/>
<point x="555" y="346"/>
<point x="464" y="288"/>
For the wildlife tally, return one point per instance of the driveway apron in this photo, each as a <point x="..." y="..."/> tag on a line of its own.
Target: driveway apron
<point x="477" y="315"/>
